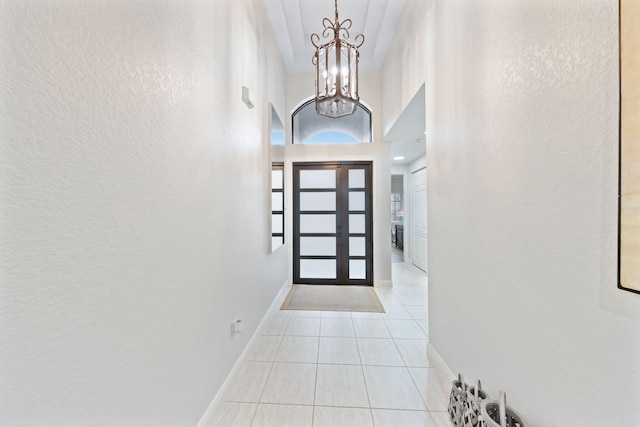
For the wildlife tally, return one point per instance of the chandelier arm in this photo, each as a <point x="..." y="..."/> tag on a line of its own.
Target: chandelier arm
<point x="326" y="33"/>
<point x="346" y="24"/>
<point x="327" y="24"/>
<point x="344" y="27"/>
<point x="315" y="39"/>
<point x="361" y="38"/>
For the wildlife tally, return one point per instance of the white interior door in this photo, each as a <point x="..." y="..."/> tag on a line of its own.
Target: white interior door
<point x="419" y="232"/>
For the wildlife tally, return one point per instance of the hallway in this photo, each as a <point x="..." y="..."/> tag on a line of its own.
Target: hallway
<point x="137" y="220"/>
<point x="343" y="369"/>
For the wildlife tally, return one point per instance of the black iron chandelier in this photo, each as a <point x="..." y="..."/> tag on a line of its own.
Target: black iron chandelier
<point x="336" y="65"/>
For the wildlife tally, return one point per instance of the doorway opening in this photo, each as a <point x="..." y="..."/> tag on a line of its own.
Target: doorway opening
<point x="397" y="218"/>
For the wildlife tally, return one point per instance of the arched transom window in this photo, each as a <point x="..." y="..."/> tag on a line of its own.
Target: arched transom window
<point x="309" y="127"/>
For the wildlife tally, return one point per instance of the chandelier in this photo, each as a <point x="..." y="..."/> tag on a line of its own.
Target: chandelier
<point x="336" y="65"/>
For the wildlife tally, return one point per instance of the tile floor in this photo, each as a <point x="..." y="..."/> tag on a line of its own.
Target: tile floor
<point x="333" y="369"/>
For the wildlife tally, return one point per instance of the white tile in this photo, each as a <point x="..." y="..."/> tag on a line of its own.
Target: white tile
<point x="414" y="352"/>
<point x="407" y="329"/>
<point x="298" y="349"/>
<point x="338" y="351"/>
<point x="366" y="315"/>
<point x="391" y="388"/>
<point x="276" y="326"/>
<point x="232" y="414"/>
<point x="336" y="314"/>
<point x="336" y="328"/>
<point x="283" y="313"/>
<point x="367" y="328"/>
<point x="379" y="351"/>
<point x="404" y="289"/>
<point x="249" y="383"/>
<point x="396" y="312"/>
<point x="433" y="392"/>
<point x="283" y="416"/>
<point x="304" y="326"/>
<point x="423" y="291"/>
<point x="326" y="416"/>
<point x="265" y="348"/>
<point x="418" y="312"/>
<point x="387" y="300"/>
<point x="306" y="313"/>
<point x="290" y="383"/>
<point x="341" y="385"/>
<point x="441" y="419"/>
<point x="412" y="300"/>
<point x="424" y="325"/>
<point x="396" y="418"/>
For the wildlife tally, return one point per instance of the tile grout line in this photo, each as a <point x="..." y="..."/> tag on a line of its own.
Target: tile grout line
<point x="270" y="371"/>
<point x="364" y="378"/>
<point x="315" y="384"/>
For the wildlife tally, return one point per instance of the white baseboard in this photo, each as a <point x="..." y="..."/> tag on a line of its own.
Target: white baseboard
<point x="439" y="363"/>
<point x="275" y="306"/>
<point x="383" y="283"/>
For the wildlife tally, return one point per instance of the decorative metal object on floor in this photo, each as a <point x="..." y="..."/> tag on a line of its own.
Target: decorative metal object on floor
<point x="457" y="400"/>
<point x="472" y="405"/>
<point x="497" y="414"/>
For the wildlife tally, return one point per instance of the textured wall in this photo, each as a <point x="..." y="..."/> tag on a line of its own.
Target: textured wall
<point x="522" y="113"/>
<point x="405" y="67"/>
<point x="132" y="201"/>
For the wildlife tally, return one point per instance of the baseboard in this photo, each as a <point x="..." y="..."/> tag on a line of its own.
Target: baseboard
<point x="383" y="284"/>
<point x="439" y="363"/>
<point x="275" y="306"/>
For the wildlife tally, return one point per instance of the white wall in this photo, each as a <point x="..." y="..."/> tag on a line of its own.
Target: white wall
<point x="132" y="205"/>
<point x="300" y="87"/>
<point x="522" y="112"/>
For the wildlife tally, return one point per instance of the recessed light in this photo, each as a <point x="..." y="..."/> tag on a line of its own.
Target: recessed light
<point x="398" y="158"/>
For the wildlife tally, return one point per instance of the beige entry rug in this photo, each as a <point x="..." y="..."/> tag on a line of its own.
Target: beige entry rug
<point x="332" y="298"/>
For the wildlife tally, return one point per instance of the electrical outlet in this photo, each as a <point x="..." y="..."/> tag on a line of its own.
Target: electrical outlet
<point x="236" y="326"/>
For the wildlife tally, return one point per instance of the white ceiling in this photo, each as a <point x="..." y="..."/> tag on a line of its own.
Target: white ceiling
<point x="294" y="21"/>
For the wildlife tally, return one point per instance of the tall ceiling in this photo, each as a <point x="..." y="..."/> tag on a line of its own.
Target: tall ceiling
<point x="294" y="21"/>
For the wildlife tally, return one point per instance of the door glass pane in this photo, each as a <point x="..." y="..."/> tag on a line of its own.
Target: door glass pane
<point x="356" y="200"/>
<point x="357" y="246"/>
<point x="276" y="223"/>
<point x="318" y="268"/>
<point x="356" y="224"/>
<point x="276" y="179"/>
<point x="276" y="202"/>
<point x="324" y="178"/>
<point x="321" y="246"/>
<point x="317" y="201"/>
<point x="277" y="241"/>
<point x="356" y="178"/>
<point x="357" y="269"/>
<point x="318" y="223"/>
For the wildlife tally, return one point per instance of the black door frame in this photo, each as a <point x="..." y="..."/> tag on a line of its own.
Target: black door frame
<point x="342" y="222"/>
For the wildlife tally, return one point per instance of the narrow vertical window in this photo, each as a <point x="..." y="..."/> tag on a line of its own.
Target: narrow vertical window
<point x="277" y="205"/>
